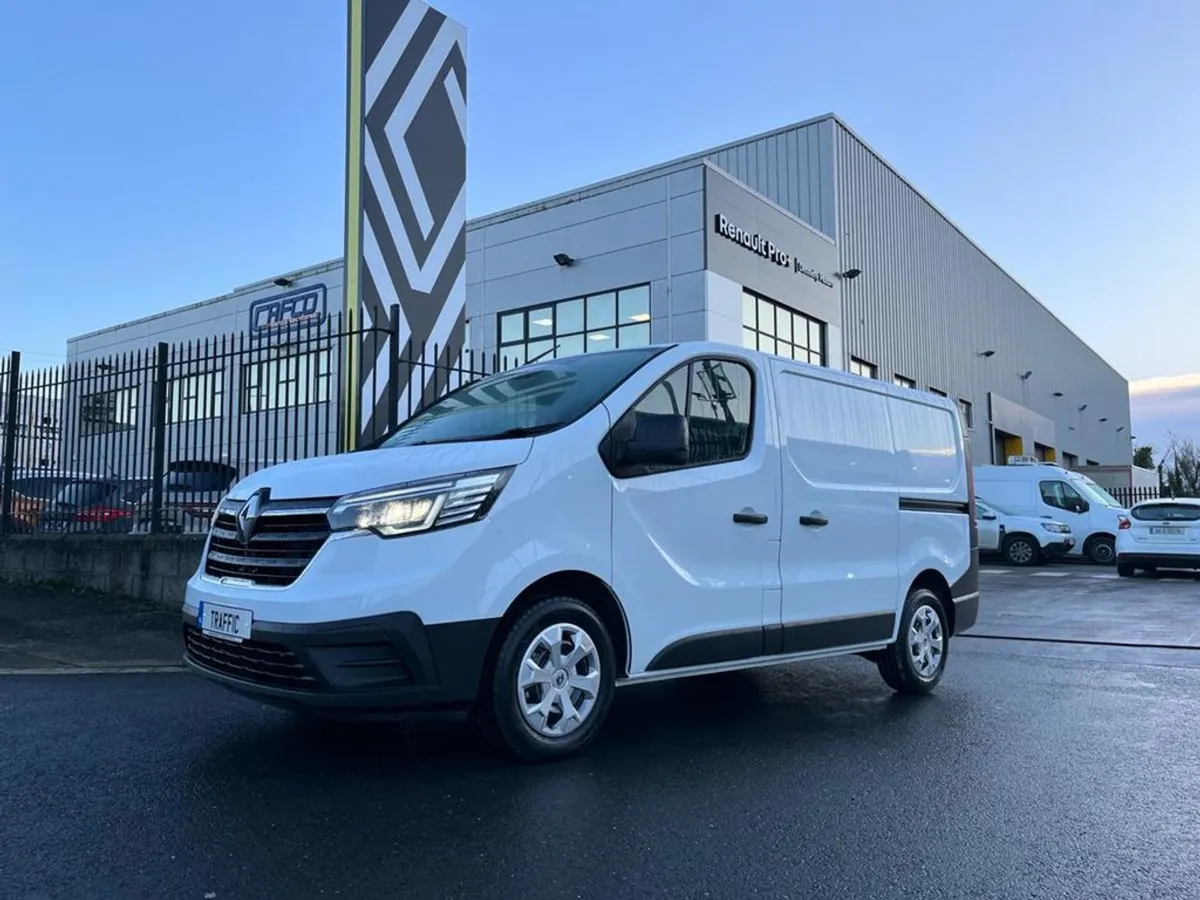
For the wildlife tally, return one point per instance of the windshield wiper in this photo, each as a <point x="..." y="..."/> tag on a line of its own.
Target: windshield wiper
<point x="518" y="432"/>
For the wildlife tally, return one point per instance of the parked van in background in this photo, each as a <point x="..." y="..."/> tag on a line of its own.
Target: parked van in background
<point x="1029" y="487"/>
<point x="540" y="536"/>
<point x="1020" y="540"/>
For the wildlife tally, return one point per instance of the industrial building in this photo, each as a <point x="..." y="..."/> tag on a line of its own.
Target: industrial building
<point x="802" y="241"/>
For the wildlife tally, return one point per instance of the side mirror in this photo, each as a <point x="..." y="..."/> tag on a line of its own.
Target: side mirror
<point x="651" y="439"/>
<point x="1082" y="506"/>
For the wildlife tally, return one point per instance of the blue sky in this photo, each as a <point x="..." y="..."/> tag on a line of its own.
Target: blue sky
<point x="157" y="153"/>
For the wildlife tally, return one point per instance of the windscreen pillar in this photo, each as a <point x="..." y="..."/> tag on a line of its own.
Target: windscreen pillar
<point x="406" y="172"/>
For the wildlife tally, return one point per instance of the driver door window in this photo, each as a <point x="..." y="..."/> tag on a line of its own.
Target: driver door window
<point x="1062" y="496"/>
<point x="705" y="404"/>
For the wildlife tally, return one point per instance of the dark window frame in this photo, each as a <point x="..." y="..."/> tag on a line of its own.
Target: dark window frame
<point x="822" y="352"/>
<point x="254" y="387"/>
<point x="966" y="411"/>
<point x="605" y="447"/>
<point x="872" y="370"/>
<point x="555" y="335"/>
<point x="903" y="381"/>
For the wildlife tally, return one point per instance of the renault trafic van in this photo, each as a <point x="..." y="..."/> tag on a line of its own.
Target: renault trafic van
<point x="1048" y="491"/>
<point x="539" y="537"/>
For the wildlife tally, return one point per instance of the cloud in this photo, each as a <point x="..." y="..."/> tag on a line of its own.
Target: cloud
<point x="1164" y="406"/>
<point x="1169" y="384"/>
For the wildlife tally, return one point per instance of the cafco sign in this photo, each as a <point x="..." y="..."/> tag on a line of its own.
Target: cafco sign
<point x="766" y="248"/>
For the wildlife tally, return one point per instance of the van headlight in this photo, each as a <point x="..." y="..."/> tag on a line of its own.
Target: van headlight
<point x="1056" y="527"/>
<point x="420" y="505"/>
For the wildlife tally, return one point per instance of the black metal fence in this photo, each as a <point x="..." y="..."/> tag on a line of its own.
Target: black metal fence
<point x="149" y="440"/>
<point x="1127" y="496"/>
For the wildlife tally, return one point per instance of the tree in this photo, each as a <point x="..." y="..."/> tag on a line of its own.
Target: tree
<point x="1180" y="467"/>
<point x="1143" y="457"/>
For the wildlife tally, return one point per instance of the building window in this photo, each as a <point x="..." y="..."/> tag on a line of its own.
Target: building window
<point x="901" y="381"/>
<point x="863" y="368"/>
<point x="968" y="414"/>
<point x="194" y="397"/>
<point x="774" y="328"/>
<point x="1070" y="460"/>
<point x="108" y="411"/>
<point x="286" y="381"/>
<point x="934" y="390"/>
<point x="606" y="321"/>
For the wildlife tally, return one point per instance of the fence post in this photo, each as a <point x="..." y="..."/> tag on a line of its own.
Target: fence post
<point x="158" y="436"/>
<point x="393" y="375"/>
<point x="10" y="442"/>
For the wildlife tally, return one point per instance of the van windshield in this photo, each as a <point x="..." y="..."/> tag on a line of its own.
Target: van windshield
<point x="1094" y="492"/>
<point x="534" y="399"/>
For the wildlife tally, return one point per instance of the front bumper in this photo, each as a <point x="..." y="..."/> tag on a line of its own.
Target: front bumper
<point x="382" y="664"/>
<point x="1160" y="560"/>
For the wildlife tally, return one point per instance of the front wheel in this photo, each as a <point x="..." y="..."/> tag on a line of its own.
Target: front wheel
<point x="1022" y="550"/>
<point x="551" y="686"/>
<point x="1102" y="551"/>
<point x="915" y="662"/>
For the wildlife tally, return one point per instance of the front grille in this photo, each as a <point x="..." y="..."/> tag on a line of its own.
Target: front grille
<point x="286" y="537"/>
<point x="258" y="661"/>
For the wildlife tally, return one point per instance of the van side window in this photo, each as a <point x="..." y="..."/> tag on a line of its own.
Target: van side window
<point x="699" y="414"/>
<point x="1061" y="495"/>
<point x="719" y="411"/>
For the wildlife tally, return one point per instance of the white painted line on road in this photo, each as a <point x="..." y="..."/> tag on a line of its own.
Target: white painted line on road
<point x="995" y="571"/>
<point x="96" y="670"/>
<point x="1104" y="577"/>
<point x="1049" y="574"/>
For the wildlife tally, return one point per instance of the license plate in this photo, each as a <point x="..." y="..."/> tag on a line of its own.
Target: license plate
<point x="227" y="622"/>
<point x="1161" y="529"/>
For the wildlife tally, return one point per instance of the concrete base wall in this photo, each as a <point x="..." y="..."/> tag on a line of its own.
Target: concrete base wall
<point x="154" y="568"/>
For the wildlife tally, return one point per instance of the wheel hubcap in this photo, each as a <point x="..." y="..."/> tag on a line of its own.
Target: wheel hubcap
<point x="559" y="680"/>
<point x="926" y="643"/>
<point x="1020" y="552"/>
<point x="1102" y="552"/>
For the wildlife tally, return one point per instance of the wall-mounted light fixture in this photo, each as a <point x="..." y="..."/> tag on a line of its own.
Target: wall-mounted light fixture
<point x="1026" y="374"/>
<point x="563" y="260"/>
<point x="850" y="274"/>
<point x="1058" y="393"/>
<point x="1082" y="408"/>
<point x="988" y="353"/>
<point x="1120" y="428"/>
<point x="284" y="282"/>
<point x="1104" y="418"/>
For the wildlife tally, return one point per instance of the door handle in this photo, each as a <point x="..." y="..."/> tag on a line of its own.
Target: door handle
<point x="816" y="519"/>
<point x="749" y="517"/>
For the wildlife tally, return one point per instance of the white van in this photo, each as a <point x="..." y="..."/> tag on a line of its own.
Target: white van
<point x="1048" y="491"/>
<point x="533" y="540"/>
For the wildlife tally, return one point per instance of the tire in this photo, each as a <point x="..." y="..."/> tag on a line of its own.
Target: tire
<point x="556" y="623"/>
<point x="1102" y="551"/>
<point x="1022" y="550"/>
<point x="896" y="662"/>
<point x="1126" y="570"/>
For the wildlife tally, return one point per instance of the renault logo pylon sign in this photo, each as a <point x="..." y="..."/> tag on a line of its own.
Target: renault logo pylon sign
<point x="406" y="208"/>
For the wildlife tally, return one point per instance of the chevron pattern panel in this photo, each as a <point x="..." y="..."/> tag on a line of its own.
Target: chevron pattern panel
<point x="406" y="199"/>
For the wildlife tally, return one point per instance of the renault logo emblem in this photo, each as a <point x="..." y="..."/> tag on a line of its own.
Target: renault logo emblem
<point x="247" y="517"/>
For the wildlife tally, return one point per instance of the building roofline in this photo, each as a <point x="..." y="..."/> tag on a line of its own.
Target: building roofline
<point x="654" y="171"/>
<point x="949" y="221"/>
<point x="305" y="272"/>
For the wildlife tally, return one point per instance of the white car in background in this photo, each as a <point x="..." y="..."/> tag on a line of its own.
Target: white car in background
<point x="1159" y="534"/>
<point x="1021" y="540"/>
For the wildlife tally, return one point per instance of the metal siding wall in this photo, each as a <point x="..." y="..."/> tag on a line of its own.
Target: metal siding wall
<point x="929" y="301"/>
<point x="793" y="168"/>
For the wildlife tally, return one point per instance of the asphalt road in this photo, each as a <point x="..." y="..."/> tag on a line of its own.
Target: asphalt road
<point x="1036" y="770"/>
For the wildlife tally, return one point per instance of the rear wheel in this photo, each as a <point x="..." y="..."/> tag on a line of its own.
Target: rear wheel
<point x="1101" y="550"/>
<point x="1022" y="550"/>
<point x="915" y="662"/>
<point x="551" y="686"/>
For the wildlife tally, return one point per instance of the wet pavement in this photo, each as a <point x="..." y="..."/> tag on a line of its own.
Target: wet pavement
<point x="1036" y="770"/>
